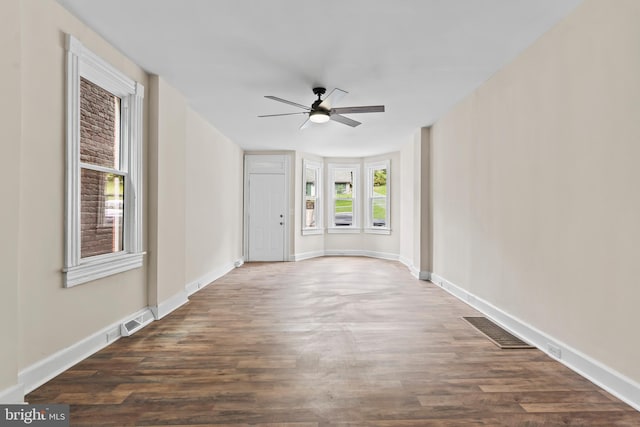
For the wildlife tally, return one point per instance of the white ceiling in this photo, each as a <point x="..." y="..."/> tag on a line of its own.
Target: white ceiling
<point x="417" y="57"/>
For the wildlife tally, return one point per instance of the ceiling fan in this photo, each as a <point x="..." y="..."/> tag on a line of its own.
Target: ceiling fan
<point x="322" y="110"/>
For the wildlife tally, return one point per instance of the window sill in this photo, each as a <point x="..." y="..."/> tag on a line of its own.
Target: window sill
<point x="102" y="267"/>
<point x="312" y="231"/>
<point x="377" y="230"/>
<point x="344" y="230"/>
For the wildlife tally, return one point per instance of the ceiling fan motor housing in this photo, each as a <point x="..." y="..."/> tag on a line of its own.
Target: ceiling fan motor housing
<point x="319" y="91"/>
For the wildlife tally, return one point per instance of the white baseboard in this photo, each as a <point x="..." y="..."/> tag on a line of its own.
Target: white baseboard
<point x="13" y="395"/>
<point x="343" y="252"/>
<point x="609" y="379"/>
<point x="170" y="304"/>
<point x="308" y="255"/>
<point x="424" y="275"/>
<point x="40" y="372"/>
<point x="204" y="280"/>
<point x="381" y="255"/>
<point x="348" y="252"/>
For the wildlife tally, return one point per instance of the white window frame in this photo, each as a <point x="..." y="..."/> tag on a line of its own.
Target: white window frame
<point x="81" y="62"/>
<point x="355" y="226"/>
<point x="317" y="166"/>
<point x="370" y="169"/>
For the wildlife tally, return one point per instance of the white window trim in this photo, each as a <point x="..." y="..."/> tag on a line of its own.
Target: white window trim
<point x="331" y="226"/>
<point x="81" y="62"/>
<point x="318" y="229"/>
<point x="369" y="228"/>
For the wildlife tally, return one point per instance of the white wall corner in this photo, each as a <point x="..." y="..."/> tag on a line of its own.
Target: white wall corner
<point x="603" y="376"/>
<point x="420" y="275"/>
<point x="239" y="262"/>
<point x="13" y="395"/>
<point x="44" y="370"/>
<point x="170" y="304"/>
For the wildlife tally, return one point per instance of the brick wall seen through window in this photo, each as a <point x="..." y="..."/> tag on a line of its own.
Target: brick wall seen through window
<point x="101" y="184"/>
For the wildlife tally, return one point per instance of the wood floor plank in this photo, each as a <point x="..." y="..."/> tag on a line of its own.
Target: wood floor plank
<point x="322" y="343"/>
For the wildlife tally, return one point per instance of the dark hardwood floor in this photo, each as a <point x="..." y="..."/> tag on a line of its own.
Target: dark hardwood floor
<point x="325" y="342"/>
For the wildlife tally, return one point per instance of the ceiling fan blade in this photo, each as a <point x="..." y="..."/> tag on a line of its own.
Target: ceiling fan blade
<point x="306" y="124"/>
<point x="344" y="120"/>
<point x="334" y="96"/>
<point x="284" y="114"/>
<point x="353" y="110"/>
<point x="295" y="104"/>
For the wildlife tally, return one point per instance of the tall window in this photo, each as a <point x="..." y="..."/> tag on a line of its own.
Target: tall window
<point x="377" y="216"/>
<point x="104" y="176"/>
<point x="344" y="197"/>
<point x="312" y="199"/>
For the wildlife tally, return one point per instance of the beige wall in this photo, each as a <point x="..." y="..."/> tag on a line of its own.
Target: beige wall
<point x="535" y="185"/>
<point x="213" y="199"/>
<point x="10" y="116"/>
<point x="196" y="182"/>
<point x="167" y="185"/>
<point x="51" y="317"/>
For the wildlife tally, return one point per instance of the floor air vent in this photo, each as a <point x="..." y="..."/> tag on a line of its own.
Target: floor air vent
<point x="496" y="334"/>
<point x="134" y="325"/>
<point x="130" y="327"/>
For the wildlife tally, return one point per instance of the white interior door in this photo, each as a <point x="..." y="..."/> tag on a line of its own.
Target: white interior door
<point x="266" y="217"/>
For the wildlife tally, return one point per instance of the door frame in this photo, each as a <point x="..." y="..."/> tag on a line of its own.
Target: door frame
<point x="278" y="164"/>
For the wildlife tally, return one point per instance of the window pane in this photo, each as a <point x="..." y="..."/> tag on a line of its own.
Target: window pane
<point x="343" y="183"/>
<point x="343" y="215"/>
<point x="379" y="209"/>
<point x="101" y="213"/>
<point x="310" y="182"/>
<point x="310" y="213"/>
<point x="380" y="182"/>
<point x="99" y="126"/>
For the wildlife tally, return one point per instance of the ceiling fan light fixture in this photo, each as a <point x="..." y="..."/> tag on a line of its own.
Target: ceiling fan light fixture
<point x="319" y="116"/>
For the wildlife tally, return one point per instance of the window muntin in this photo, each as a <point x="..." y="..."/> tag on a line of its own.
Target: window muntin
<point x="378" y="196"/>
<point x="104" y="175"/>
<point x="344" y="196"/>
<point x="312" y="197"/>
